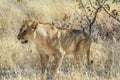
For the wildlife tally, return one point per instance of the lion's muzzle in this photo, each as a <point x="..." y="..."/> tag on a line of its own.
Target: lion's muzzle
<point x="24" y="42"/>
<point x="19" y="37"/>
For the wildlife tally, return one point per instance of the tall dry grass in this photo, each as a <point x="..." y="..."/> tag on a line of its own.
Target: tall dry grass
<point x="21" y="62"/>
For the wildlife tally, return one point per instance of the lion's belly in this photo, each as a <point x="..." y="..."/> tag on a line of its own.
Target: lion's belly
<point x="68" y="44"/>
<point x="44" y="47"/>
<point x="67" y="41"/>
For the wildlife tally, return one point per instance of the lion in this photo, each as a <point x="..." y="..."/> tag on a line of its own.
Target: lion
<point x="54" y="43"/>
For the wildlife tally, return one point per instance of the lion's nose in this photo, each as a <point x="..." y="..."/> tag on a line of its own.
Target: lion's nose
<point x="18" y="37"/>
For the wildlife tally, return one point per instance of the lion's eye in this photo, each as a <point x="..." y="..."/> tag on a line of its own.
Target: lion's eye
<point x="24" y="32"/>
<point x="32" y="27"/>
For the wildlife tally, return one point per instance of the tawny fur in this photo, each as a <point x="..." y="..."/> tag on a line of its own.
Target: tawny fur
<point x="54" y="42"/>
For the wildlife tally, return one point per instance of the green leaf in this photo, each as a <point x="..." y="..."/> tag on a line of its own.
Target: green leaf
<point x="107" y="7"/>
<point x="88" y="8"/>
<point x="19" y="0"/>
<point x="115" y="12"/>
<point x="113" y="1"/>
<point x="96" y="3"/>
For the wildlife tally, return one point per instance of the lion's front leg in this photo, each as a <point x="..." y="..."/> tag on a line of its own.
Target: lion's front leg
<point x="56" y="63"/>
<point x="44" y="63"/>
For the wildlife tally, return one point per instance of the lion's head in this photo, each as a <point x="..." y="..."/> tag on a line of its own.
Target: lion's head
<point x="27" y="31"/>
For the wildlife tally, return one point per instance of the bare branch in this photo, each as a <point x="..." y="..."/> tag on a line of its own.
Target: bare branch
<point x="103" y="2"/>
<point x="94" y="18"/>
<point x="92" y="21"/>
<point x="92" y="5"/>
<point x="108" y="12"/>
<point x="111" y="14"/>
<point x="98" y="2"/>
<point x="85" y="12"/>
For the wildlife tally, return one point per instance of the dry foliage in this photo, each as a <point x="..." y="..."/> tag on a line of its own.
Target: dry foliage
<point x="20" y="62"/>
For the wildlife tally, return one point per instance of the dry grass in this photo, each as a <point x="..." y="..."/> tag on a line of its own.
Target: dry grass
<point x="21" y="62"/>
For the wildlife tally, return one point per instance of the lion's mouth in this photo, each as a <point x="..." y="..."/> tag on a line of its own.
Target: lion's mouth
<point x="24" y="42"/>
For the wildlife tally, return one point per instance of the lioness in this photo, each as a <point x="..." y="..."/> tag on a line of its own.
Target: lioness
<point x="54" y="42"/>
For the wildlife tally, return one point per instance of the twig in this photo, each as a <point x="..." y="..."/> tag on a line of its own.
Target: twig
<point x="91" y="22"/>
<point x="108" y="12"/>
<point x="92" y="5"/>
<point x="94" y="18"/>
<point x="85" y="12"/>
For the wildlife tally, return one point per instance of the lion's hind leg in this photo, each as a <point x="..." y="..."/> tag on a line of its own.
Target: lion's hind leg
<point x="79" y="53"/>
<point x="82" y="51"/>
<point x="78" y="57"/>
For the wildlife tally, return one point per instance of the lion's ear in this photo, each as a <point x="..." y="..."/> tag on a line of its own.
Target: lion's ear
<point x="25" y="21"/>
<point x="34" y="25"/>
